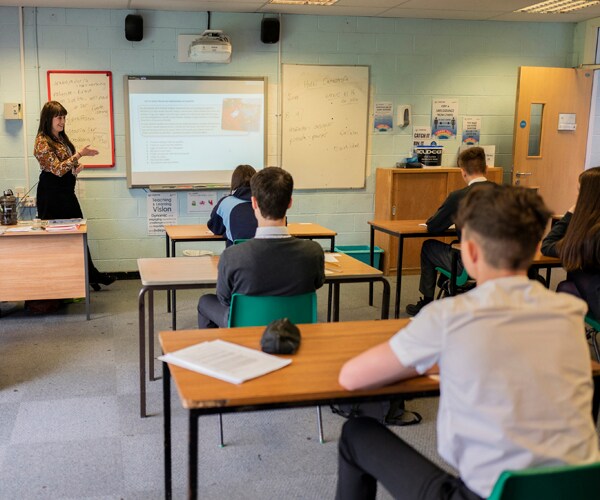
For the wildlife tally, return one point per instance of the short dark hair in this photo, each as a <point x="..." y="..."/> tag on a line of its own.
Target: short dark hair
<point x="472" y="160"/>
<point x="272" y="187"/>
<point x="508" y="222"/>
<point x="241" y="176"/>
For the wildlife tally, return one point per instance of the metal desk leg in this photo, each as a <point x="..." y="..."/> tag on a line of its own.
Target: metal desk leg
<point x="332" y="247"/>
<point x="371" y="262"/>
<point x="174" y="312"/>
<point x="142" y="342"/>
<point x="172" y="292"/>
<point x="385" y="301"/>
<point x="87" y="278"/>
<point x="151" y="335"/>
<point x="329" y="302"/>
<point x="548" y="276"/>
<point x="336" y="302"/>
<point x="193" y="456"/>
<point x="167" y="429"/>
<point x="399" y="277"/>
<point x="168" y="253"/>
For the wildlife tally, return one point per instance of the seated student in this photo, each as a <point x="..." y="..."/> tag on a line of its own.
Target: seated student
<point x="436" y="253"/>
<point x="273" y="262"/>
<point x="233" y="215"/>
<point x="576" y="240"/>
<point x="515" y="378"/>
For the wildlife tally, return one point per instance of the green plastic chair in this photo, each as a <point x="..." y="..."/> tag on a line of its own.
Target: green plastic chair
<point x="251" y="310"/>
<point x="459" y="281"/>
<point x="569" y="482"/>
<point x="240" y="240"/>
<point x="592" y="333"/>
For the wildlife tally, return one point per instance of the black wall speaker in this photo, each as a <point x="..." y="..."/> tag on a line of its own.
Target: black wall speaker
<point x="134" y="28"/>
<point x="269" y="30"/>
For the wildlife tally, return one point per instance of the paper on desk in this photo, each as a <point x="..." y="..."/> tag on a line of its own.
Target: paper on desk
<point x="453" y="226"/>
<point x="331" y="257"/>
<point x="225" y="361"/>
<point x="19" y="229"/>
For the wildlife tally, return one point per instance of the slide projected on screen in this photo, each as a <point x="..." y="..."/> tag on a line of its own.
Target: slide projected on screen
<point x="193" y="131"/>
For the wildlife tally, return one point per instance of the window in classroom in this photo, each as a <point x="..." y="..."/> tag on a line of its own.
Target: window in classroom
<point x="536" y="114"/>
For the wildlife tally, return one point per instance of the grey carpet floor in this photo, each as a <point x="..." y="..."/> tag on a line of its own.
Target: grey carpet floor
<point x="70" y="425"/>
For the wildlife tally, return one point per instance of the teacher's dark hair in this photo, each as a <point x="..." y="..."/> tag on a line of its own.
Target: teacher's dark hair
<point x="49" y="111"/>
<point x="272" y="187"/>
<point x="241" y="176"/>
<point x="508" y="222"/>
<point x="580" y="248"/>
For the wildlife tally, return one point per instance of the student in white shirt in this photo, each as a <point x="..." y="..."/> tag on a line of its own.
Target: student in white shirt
<point x="515" y="379"/>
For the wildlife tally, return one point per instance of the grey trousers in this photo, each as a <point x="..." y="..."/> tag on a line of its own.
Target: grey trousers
<point x="211" y="313"/>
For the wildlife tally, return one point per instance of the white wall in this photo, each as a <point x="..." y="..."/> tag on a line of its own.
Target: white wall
<point x="411" y="61"/>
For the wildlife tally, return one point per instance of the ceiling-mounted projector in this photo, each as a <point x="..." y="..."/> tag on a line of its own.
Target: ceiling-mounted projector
<point x="211" y="47"/>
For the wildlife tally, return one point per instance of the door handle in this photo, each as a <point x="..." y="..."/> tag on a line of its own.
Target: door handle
<point x="521" y="174"/>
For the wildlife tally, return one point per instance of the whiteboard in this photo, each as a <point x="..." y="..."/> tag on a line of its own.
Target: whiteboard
<point x="324" y="125"/>
<point x="87" y="97"/>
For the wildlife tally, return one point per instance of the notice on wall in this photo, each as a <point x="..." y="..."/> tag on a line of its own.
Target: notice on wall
<point x="162" y="211"/>
<point x="421" y="136"/>
<point x="201" y="202"/>
<point x="444" y="118"/>
<point x="471" y="131"/>
<point x="384" y="118"/>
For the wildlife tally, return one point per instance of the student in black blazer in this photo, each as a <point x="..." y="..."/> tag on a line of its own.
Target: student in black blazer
<point x="435" y="253"/>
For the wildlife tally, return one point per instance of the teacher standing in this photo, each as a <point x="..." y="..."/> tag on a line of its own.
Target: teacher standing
<point x="59" y="163"/>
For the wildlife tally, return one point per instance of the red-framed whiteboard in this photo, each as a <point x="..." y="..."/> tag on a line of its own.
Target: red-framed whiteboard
<point x="87" y="97"/>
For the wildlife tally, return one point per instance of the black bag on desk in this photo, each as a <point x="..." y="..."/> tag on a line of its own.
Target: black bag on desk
<point x="391" y="412"/>
<point x="280" y="337"/>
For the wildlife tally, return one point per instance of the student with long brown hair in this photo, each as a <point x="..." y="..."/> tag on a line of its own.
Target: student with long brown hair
<point x="575" y="239"/>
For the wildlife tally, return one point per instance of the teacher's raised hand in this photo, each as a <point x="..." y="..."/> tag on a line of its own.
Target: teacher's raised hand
<point x="87" y="151"/>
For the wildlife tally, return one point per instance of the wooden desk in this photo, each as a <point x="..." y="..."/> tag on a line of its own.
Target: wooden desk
<point x="414" y="193"/>
<point x="401" y="229"/>
<point x="311" y="379"/>
<point x="167" y="274"/>
<point x="200" y="232"/>
<point x="40" y="265"/>
<point x="201" y="272"/>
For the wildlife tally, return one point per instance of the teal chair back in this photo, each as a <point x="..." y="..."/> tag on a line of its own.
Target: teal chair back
<point x="461" y="279"/>
<point x="570" y="482"/>
<point x="592" y="333"/>
<point x="239" y="240"/>
<point x="250" y="310"/>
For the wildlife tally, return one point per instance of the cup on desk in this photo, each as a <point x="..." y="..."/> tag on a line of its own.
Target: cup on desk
<point x="37" y="224"/>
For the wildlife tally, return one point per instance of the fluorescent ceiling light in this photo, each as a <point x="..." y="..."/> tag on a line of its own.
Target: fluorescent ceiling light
<point x="304" y="2"/>
<point x="558" y="6"/>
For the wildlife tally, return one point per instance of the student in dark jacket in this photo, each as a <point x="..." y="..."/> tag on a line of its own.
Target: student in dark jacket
<point x="272" y="263"/>
<point x="575" y="239"/>
<point x="233" y="215"/>
<point x="436" y="253"/>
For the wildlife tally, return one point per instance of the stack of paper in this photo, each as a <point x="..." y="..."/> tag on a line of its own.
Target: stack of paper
<point x="225" y="361"/>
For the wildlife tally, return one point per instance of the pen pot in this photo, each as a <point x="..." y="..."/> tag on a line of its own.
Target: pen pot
<point x="8" y="209"/>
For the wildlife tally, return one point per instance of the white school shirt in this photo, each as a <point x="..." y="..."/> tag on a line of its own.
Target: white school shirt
<point x="270" y="232"/>
<point x="515" y="378"/>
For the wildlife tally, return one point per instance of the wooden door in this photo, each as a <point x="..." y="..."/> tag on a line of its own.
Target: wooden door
<point x="545" y="157"/>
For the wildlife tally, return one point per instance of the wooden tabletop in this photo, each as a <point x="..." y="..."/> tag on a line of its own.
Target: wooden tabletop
<point x="179" y="270"/>
<point x="312" y="375"/>
<point x="201" y="231"/>
<point x="309" y="229"/>
<point x="82" y="229"/>
<point x="204" y="270"/>
<point x="348" y="267"/>
<point x="540" y="259"/>
<point x="413" y="227"/>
